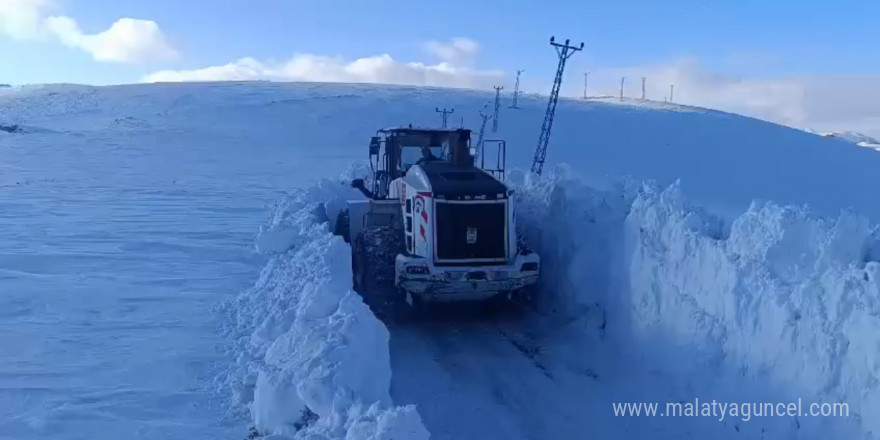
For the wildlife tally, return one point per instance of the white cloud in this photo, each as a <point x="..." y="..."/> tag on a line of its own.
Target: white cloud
<point x="245" y="69"/>
<point x="843" y="103"/>
<point x="376" y="69"/>
<point x="777" y="99"/>
<point x="22" y="19"/>
<point x="458" y="50"/>
<point x="822" y="103"/>
<point x="127" y="40"/>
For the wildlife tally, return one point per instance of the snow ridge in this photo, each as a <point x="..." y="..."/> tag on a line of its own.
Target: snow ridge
<point x="776" y="305"/>
<point x="787" y="298"/>
<point x="312" y="360"/>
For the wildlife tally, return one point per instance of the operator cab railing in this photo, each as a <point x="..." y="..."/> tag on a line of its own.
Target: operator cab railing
<point x="500" y="156"/>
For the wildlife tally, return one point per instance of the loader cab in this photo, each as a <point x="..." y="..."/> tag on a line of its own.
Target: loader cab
<point x="395" y="150"/>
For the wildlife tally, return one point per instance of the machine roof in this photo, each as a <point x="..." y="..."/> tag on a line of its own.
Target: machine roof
<point x="423" y="130"/>
<point x="453" y="180"/>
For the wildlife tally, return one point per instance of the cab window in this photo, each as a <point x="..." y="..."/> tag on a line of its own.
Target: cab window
<point x="410" y="154"/>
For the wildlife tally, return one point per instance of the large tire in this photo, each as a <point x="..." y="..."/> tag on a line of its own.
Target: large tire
<point x="374" y="253"/>
<point x="342" y="225"/>
<point x="359" y="266"/>
<point x="524" y="297"/>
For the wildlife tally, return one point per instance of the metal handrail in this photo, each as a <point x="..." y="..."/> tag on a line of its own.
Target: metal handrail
<point x="500" y="158"/>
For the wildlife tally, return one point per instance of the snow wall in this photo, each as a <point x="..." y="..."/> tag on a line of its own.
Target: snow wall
<point x="776" y="305"/>
<point x="312" y="360"/>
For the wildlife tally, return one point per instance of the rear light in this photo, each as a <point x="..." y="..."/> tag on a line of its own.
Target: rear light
<point x="417" y="270"/>
<point x="529" y="267"/>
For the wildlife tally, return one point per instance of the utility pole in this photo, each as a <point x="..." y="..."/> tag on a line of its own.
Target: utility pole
<point x="671" y="91"/>
<point x="484" y="117"/>
<point x="516" y="89"/>
<point x="497" y="105"/>
<point x="563" y="51"/>
<point x="446" y="114"/>
<point x="643" y="88"/>
<point x="622" y="80"/>
<point x="586" y="77"/>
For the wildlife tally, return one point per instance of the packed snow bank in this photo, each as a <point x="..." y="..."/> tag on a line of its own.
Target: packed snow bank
<point x="775" y="306"/>
<point x="312" y="360"/>
<point x="787" y="297"/>
<point x="577" y="229"/>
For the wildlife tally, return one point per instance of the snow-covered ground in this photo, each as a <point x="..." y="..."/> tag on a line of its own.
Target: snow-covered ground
<point x="133" y="300"/>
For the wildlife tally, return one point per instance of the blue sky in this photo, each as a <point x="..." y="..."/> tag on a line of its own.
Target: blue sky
<point x="780" y="48"/>
<point x="757" y="37"/>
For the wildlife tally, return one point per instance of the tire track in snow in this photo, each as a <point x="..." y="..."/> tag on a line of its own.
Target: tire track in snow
<point x="484" y="378"/>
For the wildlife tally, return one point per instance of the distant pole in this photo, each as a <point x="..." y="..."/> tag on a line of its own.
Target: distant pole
<point x="497" y="106"/>
<point x="445" y="113"/>
<point x="485" y="117"/>
<point x="643" y="88"/>
<point x="671" y="91"/>
<point x="586" y="78"/>
<point x="622" y="81"/>
<point x="516" y="89"/>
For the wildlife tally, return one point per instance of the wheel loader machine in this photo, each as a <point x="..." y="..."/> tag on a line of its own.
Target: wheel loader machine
<point x="432" y="225"/>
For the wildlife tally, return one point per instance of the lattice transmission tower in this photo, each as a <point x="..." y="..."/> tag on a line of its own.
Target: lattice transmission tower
<point x="497" y="106"/>
<point x="564" y="51"/>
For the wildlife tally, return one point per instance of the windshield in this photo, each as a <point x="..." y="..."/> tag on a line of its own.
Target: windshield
<point x="409" y="155"/>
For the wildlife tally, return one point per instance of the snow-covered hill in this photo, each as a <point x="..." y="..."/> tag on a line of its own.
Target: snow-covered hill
<point x="664" y="279"/>
<point x="859" y="139"/>
<point x="723" y="160"/>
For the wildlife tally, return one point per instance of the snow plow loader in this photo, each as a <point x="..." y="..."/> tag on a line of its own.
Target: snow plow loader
<point x="433" y="226"/>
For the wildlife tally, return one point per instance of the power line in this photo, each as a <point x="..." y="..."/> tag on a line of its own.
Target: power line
<point x="485" y="117"/>
<point x="516" y="89"/>
<point x="446" y="114"/>
<point x="586" y="78"/>
<point x="497" y="105"/>
<point x="563" y="51"/>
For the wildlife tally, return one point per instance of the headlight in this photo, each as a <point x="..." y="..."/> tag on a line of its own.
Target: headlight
<point x="417" y="270"/>
<point x="529" y="267"/>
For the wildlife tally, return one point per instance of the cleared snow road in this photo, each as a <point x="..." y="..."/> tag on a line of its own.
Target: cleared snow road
<point x="469" y="381"/>
<point x="490" y="377"/>
<point x="530" y="376"/>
